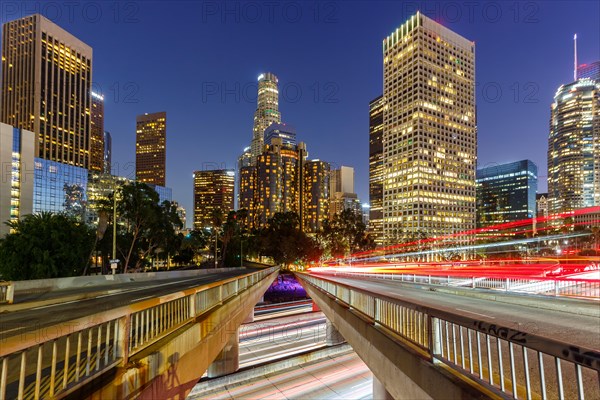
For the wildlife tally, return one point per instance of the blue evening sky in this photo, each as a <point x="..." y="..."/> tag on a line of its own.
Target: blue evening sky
<point x="199" y="60"/>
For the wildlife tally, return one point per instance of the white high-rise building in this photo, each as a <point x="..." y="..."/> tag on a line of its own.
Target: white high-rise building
<point x="429" y="131"/>
<point x="267" y="112"/>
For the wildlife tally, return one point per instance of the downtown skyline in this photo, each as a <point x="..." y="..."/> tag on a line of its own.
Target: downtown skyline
<point x="209" y="127"/>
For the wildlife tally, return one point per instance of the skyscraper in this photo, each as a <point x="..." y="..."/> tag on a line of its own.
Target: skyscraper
<point x="429" y="131"/>
<point x="107" y="152"/>
<point x="267" y="112"/>
<point x="278" y="181"/>
<point x="315" y="194"/>
<point x="341" y="192"/>
<point x="17" y="150"/>
<point x="376" y="169"/>
<point x="97" y="134"/>
<point x="591" y="70"/>
<point x="213" y="193"/>
<point x="506" y="193"/>
<point x="286" y="132"/>
<point x="573" y="147"/>
<point x="150" y="148"/>
<point x="46" y="88"/>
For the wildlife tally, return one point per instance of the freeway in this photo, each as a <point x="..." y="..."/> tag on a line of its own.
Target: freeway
<point x="343" y="376"/>
<point x="568" y="327"/>
<point x="23" y="321"/>
<point x="282" y="337"/>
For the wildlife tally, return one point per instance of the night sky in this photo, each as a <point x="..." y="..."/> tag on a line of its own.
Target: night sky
<point x="199" y="62"/>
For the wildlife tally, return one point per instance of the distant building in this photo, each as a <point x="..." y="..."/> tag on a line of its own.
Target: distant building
<point x="573" y="150"/>
<point x="267" y="112"/>
<point x="182" y="216"/>
<point x="376" y="169"/>
<point x="342" y="180"/>
<point x="150" y="148"/>
<point x="541" y="201"/>
<point x="278" y="181"/>
<point x="506" y="193"/>
<point x="17" y="150"/>
<point x="245" y="182"/>
<point x="429" y="131"/>
<point x="97" y="134"/>
<point x="107" y="152"/>
<point x="315" y="194"/>
<point x="213" y="194"/>
<point x="46" y="88"/>
<point x="591" y="71"/>
<point x="286" y="133"/>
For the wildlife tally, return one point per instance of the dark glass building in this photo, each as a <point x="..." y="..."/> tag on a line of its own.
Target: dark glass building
<point x="286" y="133"/>
<point x="376" y="168"/>
<point x="506" y="193"/>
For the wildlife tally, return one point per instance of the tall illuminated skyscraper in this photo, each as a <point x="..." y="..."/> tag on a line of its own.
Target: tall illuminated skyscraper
<point x="150" y="148"/>
<point x="376" y="169"/>
<point x="267" y="112"/>
<point x="97" y="134"/>
<point x="46" y="88"/>
<point x="429" y="131"/>
<point x="213" y="193"/>
<point x="574" y="147"/>
<point x="315" y="194"/>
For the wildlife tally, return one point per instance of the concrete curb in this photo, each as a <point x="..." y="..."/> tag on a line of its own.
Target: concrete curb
<point x="212" y="385"/>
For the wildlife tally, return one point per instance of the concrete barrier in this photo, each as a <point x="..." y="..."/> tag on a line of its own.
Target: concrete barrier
<point x="46" y="285"/>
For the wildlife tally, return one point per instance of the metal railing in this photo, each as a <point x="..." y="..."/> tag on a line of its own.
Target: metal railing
<point x="584" y="288"/>
<point x="53" y="361"/>
<point x="509" y="362"/>
<point x="7" y="292"/>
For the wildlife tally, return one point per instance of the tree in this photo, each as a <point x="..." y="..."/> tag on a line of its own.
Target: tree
<point x="345" y="233"/>
<point x="147" y="228"/>
<point x="45" y="246"/>
<point x="283" y="240"/>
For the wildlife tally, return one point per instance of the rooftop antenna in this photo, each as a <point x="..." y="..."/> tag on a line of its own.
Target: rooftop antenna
<point x="575" y="64"/>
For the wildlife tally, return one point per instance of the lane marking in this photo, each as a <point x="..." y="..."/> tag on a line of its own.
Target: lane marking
<point x="13" y="329"/>
<point x="471" y="312"/>
<point x="142" y="298"/>
<point x="52" y="305"/>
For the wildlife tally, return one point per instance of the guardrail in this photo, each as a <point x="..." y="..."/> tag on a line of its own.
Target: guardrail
<point x="584" y="288"/>
<point x="7" y="292"/>
<point x="54" y="361"/>
<point x="509" y="362"/>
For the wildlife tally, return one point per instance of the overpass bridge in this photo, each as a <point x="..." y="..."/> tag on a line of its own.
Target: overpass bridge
<point x="422" y="339"/>
<point x="150" y="338"/>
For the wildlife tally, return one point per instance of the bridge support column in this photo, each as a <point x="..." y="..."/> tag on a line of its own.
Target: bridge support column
<point x="249" y="318"/>
<point x="332" y="335"/>
<point x="228" y="360"/>
<point x="379" y="391"/>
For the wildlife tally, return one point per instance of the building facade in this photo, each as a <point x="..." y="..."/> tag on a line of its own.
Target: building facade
<point x="285" y="132"/>
<point x="591" y="71"/>
<point x="574" y="147"/>
<point x="429" y="131"/>
<point x="46" y="88"/>
<point x="315" y="195"/>
<point x="97" y="134"/>
<point x="151" y="148"/>
<point x="17" y="153"/>
<point x="60" y="187"/>
<point x="278" y="181"/>
<point x="213" y="194"/>
<point x="541" y="203"/>
<point x="506" y="193"/>
<point x="107" y="152"/>
<point x="267" y="112"/>
<point x="376" y="169"/>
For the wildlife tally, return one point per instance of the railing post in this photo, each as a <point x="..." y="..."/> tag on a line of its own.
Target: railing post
<point x="555" y="287"/>
<point x="506" y="285"/>
<point x="122" y="340"/>
<point x="10" y="293"/>
<point x="192" y="305"/>
<point x="435" y="340"/>
<point x="473" y="282"/>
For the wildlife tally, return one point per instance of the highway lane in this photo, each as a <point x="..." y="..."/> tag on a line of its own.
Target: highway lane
<point x="280" y="310"/>
<point x="280" y="338"/>
<point x="340" y="377"/>
<point x="20" y="322"/>
<point x="570" y="328"/>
